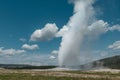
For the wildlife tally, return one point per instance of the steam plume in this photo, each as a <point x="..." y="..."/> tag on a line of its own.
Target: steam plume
<point x="77" y="28"/>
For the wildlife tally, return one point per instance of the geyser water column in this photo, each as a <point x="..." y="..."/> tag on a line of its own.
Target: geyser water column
<point x="77" y="27"/>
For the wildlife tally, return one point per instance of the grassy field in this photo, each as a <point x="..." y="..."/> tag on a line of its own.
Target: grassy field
<point x="56" y="75"/>
<point x="95" y="73"/>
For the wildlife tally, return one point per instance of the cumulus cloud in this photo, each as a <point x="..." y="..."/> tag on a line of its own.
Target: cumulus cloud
<point x="100" y="27"/>
<point x="97" y="28"/>
<point x="52" y="57"/>
<point x="115" y="27"/>
<point x="54" y="52"/>
<point x="115" y="45"/>
<point x="45" y="34"/>
<point x="10" y="51"/>
<point x="62" y="31"/>
<point x="30" y="47"/>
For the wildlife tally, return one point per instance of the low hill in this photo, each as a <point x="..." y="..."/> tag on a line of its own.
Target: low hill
<point x="111" y="62"/>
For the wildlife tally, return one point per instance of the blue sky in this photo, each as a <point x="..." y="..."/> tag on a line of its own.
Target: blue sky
<point x="19" y="19"/>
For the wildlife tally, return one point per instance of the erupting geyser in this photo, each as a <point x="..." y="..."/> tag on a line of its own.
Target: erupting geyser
<point x="77" y="29"/>
<point x="78" y="35"/>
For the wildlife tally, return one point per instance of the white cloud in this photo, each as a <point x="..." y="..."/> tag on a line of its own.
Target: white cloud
<point x="115" y="45"/>
<point x="45" y="34"/>
<point x="115" y="27"/>
<point x="97" y="28"/>
<point x="100" y="27"/>
<point x="52" y="57"/>
<point x="10" y="51"/>
<point x="30" y="47"/>
<point x="62" y="31"/>
<point x="22" y="39"/>
<point x="51" y="30"/>
<point x="54" y="52"/>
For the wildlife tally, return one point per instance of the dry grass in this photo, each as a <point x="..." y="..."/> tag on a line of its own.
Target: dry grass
<point x="56" y="75"/>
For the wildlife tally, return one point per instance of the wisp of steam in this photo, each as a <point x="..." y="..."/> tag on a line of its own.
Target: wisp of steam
<point x="77" y="28"/>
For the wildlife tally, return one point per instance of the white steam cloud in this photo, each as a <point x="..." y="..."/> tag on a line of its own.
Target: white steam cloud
<point x="72" y="39"/>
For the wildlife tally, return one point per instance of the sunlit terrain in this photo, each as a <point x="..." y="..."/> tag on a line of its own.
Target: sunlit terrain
<point x="59" y="75"/>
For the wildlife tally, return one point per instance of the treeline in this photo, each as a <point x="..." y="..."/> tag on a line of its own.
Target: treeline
<point x="22" y="66"/>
